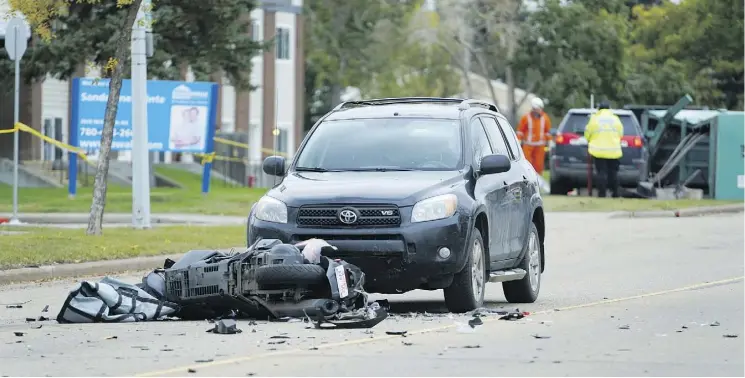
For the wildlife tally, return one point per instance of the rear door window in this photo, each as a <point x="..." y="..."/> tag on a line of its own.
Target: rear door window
<point x="576" y="123"/>
<point x="509" y="135"/>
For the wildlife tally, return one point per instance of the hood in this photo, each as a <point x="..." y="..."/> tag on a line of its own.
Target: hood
<point x="399" y="188"/>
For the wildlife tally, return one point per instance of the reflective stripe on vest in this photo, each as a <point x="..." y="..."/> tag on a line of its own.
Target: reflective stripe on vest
<point x="541" y="138"/>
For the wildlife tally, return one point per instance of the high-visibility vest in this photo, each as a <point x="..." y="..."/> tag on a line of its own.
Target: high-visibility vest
<point x="603" y="134"/>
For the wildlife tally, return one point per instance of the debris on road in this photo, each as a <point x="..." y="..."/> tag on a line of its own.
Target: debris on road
<point x="536" y="336"/>
<point x="730" y="336"/>
<point x="19" y="334"/>
<point x="625" y="326"/>
<point x="476" y="346"/>
<point x="714" y="324"/>
<point x="203" y="361"/>
<point x="270" y="279"/>
<point x="475" y="321"/>
<point x="15" y="305"/>
<point x="225" y="327"/>
<point x="396" y="333"/>
<point x="514" y="315"/>
<point x="45" y="309"/>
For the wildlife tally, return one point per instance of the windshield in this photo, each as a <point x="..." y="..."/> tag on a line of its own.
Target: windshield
<point x="576" y="123"/>
<point x="383" y="144"/>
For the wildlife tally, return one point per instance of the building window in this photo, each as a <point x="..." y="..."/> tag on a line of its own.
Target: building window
<point x="283" y="43"/>
<point x="255" y="30"/>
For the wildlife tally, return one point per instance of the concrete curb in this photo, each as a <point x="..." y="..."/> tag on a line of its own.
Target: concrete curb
<point x="94" y="268"/>
<point x="680" y="213"/>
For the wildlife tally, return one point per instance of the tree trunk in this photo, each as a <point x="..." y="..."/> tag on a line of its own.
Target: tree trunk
<point x="95" y="221"/>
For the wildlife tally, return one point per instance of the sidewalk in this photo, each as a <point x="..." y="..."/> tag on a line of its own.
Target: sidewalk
<point x="126" y="218"/>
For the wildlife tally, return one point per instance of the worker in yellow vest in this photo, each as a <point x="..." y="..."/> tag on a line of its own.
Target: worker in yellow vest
<point x="603" y="133"/>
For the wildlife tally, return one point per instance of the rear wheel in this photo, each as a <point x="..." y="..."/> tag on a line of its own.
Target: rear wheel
<point x="466" y="293"/>
<point x="559" y="186"/>
<point x="526" y="290"/>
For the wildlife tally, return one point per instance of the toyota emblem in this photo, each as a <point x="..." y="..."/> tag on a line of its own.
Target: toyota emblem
<point x="348" y="216"/>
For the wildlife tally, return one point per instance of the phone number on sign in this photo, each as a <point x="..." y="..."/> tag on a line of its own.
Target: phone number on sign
<point x="94" y="132"/>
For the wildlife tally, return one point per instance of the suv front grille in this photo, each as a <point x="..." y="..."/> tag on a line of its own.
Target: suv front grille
<point x="367" y="216"/>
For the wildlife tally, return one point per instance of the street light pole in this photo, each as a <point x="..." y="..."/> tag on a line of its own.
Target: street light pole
<point x="140" y="150"/>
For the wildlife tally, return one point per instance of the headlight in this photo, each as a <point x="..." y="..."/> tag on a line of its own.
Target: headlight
<point x="271" y="210"/>
<point x="434" y="208"/>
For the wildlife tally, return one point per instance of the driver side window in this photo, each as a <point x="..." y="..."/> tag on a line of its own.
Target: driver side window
<point x="481" y="146"/>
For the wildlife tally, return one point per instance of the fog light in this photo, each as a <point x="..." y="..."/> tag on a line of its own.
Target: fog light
<point x="444" y="252"/>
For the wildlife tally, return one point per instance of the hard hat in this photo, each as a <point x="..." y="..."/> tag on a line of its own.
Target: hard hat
<point x="536" y="103"/>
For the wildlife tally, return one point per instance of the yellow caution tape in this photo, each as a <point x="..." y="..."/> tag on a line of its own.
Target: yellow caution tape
<point x="21" y="127"/>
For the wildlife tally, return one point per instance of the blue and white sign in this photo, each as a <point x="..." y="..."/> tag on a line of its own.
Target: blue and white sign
<point x="181" y="115"/>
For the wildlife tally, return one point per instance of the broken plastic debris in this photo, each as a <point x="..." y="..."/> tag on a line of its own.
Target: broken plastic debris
<point x="513" y="316"/>
<point x="190" y="370"/>
<point x="46" y="309"/>
<point x="406" y="343"/>
<point x="396" y="333"/>
<point x="714" y="324"/>
<point x="19" y="334"/>
<point x="225" y="327"/>
<point x="203" y="361"/>
<point x="14" y="306"/>
<point x="112" y="337"/>
<point x="476" y="346"/>
<point x="625" y="326"/>
<point x="729" y="336"/>
<point x="475" y="321"/>
<point x="540" y="337"/>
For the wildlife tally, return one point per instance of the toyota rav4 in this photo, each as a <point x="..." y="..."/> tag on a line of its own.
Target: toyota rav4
<point x="420" y="193"/>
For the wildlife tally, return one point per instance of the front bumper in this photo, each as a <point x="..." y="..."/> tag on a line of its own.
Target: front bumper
<point x="394" y="259"/>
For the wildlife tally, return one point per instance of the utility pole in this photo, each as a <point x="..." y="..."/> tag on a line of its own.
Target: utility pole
<point x="140" y="149"/>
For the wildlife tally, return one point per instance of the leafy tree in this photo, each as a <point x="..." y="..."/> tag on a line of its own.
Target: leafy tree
<point x="410" y="62"/>
<point x="338" y="33"/>
<point x="703" y="39"/>
<point x="570" y="51"/>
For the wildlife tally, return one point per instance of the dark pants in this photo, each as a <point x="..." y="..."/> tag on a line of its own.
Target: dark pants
<point x="607" y="176"/>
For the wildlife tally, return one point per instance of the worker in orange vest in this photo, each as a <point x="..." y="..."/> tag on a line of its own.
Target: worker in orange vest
<point x="533" y="131"/>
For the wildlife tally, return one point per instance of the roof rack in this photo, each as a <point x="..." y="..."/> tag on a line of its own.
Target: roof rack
<point x="465" y="104"/>
<point x="398" y="100"/>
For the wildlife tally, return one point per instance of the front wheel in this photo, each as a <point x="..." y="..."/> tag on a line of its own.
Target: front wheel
<point x="466" y="293"/>
<point x="526" y="290"/>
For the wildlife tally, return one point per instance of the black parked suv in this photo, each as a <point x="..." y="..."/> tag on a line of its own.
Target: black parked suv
<point x="420" y="193"/>
<point x="568" y="153"/>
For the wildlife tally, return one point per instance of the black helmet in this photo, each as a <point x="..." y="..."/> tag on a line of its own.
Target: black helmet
<point x="605" y="104"/>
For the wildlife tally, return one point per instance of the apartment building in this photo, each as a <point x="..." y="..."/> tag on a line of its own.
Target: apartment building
<point x="278" y="73"/>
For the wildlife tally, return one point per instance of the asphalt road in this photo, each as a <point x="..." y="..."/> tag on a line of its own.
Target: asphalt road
<point x="635" y="297"/>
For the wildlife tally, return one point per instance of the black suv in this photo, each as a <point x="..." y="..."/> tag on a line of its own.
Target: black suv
<point x="568" y="153"/>
<point x="420" y="193"/>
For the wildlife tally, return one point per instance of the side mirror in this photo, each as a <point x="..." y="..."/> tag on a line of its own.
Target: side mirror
<point x="649" y="134"/>
<point x="274" y="165"/>
<point x="491" y="164"/>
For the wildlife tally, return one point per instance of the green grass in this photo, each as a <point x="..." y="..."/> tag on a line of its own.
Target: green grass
<point x="226" y="200"/>
<point x="40" y="246"/>
<point x="221" y="200"/>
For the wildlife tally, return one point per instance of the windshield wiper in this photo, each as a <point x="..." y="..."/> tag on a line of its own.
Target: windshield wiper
<point x="314" y="169"/>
